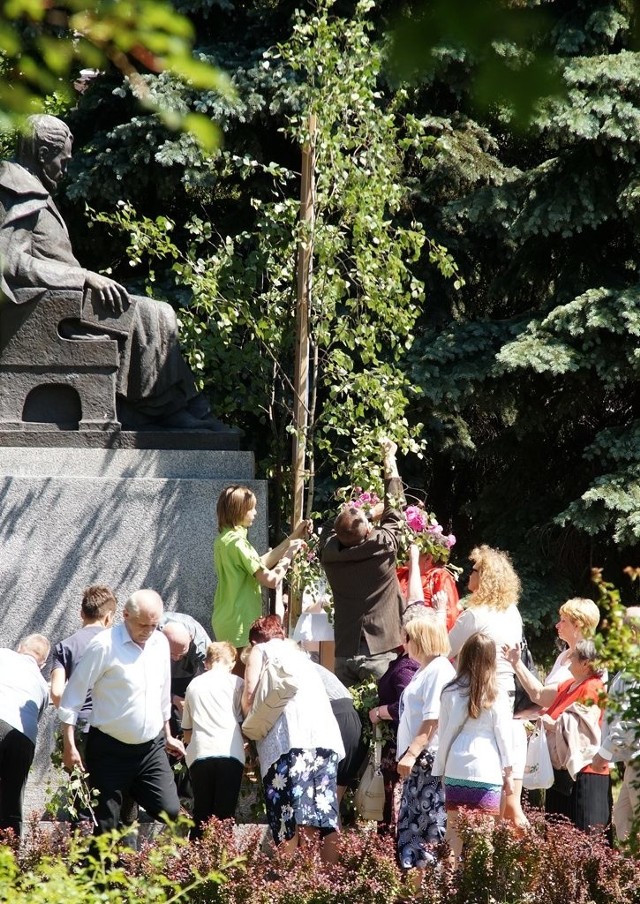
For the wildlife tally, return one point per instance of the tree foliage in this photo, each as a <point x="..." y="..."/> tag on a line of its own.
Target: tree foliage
<point x="365" y="297"/>
<point x="530" y="384"/>
<point x="45" y="47"/>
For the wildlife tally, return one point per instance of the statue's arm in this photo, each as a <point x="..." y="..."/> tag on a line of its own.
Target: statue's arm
<point x="24" y="265"/>
<point x="22" y="268"/>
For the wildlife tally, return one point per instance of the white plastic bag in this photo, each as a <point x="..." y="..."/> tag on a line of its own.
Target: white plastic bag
<point x="538" y="771"/>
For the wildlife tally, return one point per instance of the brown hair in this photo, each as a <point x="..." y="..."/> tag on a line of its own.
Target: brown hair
<point x="351" y="526"/>
<point x="266" y="628"/>
<point x="97" y="601"/>
<point x="477" y="672"/>
<point x="498" y="584"/>
<point x="233" y="504"/>
<point x="221" y="651"/>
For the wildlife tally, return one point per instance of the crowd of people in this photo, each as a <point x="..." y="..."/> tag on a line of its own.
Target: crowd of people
<point x="135" y="696"/>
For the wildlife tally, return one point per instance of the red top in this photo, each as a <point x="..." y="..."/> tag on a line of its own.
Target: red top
<point x="590" y="690"/>
<point x="434" y="579"/>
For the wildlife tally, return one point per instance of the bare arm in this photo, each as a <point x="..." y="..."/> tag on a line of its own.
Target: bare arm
<point x="252" y="671"/>
<point x="271" y="577"/>
<point x="172" y="745"/>
<point x="389" y="449"/>
<point x="70" y="754"/>
<point x="426" y="731"/>
<point x="415" y="591"/>
<point x="543" y="696"/>
<point x="58" y="681"/>
<point x="301" y="531"/>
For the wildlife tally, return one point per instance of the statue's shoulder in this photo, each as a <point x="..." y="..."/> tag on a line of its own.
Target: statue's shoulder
<point x="17" y="180"/>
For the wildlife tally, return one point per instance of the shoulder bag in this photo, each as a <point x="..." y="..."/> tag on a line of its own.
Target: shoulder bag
<point x="369" y="796"/>
<point x="522" y="699"/>
<point x="276" y="686"/>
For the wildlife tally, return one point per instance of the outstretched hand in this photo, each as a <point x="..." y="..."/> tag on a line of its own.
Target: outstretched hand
<point x="511" y="654"/>
<point x="302" y="530"/>
<point x="114" y="296"/>
<point x="295" y="546"/>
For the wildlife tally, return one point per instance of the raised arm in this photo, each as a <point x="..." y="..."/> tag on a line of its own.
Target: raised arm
<point x="543" y="696"/>
<point x="301" y="531"/>
<point x="271" y="577"/>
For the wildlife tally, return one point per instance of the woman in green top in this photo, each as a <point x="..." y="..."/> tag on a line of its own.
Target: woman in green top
<point x="241" y="571"/>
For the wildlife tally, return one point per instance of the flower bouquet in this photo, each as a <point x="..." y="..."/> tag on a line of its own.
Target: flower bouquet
<point x="422" y="528"/>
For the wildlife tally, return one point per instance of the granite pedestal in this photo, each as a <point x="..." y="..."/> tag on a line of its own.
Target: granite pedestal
<point x="126" y="517"/>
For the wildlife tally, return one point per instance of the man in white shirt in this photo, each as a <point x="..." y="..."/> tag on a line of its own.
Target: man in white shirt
<point x="24" y="695"/>
<point x="128" y="671"/>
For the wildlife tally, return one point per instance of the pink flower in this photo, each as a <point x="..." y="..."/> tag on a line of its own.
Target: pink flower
<point x="415" y="518"/>
<point x="435" y="528"/>
<point x="450" y="540"/>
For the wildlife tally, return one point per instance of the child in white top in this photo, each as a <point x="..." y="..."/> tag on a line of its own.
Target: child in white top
<point x="474" y="731"/>
<point x="215" y="749"/>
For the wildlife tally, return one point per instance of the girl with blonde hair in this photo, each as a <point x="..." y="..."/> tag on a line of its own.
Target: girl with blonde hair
<point x="474" y="737"/>
<point x="422" y="818"/>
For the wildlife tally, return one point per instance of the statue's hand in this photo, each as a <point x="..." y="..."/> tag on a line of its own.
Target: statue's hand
<point x="112" y="294"/>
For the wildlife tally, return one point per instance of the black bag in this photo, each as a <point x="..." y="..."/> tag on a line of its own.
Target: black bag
<point x="562" y="782"/>
<point x="522" y="699"/>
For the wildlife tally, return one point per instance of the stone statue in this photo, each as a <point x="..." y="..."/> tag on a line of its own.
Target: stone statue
<point x="154" y="385"/>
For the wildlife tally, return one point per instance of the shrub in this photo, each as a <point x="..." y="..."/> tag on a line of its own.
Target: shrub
<point x="552" y="863"/>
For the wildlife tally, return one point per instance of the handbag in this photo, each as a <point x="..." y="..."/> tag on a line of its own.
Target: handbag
<point x="369" y="796"/>
<point x="275" y="687"/>
<point x="522" y="699"/>
<point x="538" y="771"/>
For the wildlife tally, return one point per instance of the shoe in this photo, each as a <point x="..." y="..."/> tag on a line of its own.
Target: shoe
<point x="199" y="407"/>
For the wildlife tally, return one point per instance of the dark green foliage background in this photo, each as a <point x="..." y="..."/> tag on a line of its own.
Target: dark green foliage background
<point x="524" y="373"/>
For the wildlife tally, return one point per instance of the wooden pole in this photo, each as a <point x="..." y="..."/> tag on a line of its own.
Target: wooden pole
<point x="301" y="371"/>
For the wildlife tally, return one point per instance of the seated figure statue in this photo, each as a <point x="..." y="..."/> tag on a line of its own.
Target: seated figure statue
<point x="154" y="384"/>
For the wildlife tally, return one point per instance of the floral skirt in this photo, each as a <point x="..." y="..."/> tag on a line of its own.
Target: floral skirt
<point x="300" y="790"/>
<point x="422" y="819"/>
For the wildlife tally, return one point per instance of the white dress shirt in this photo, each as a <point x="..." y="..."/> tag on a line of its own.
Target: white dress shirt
<point x="24" y="694"/>
<point x="130" y="686"/>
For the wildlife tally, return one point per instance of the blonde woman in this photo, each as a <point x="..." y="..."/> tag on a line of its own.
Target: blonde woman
<point x="422" y="818"/>
<point x="492" y="609"/>
<point x="578" y="620"/>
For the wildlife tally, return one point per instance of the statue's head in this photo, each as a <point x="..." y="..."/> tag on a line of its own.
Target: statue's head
<point x="44" y="148"/>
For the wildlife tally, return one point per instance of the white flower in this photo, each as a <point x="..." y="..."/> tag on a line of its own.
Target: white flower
<point x="299" y="766"/>
<point x="279" y="782"/>
<point x="324" y="802"/>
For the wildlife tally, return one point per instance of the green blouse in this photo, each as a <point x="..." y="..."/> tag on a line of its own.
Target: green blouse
<point x="238" y="599"/>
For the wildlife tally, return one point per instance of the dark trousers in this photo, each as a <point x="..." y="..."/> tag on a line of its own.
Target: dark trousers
<point x="216" y="787"/>
<point x="16" y="756"/>
<point x="140" y="770"/>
